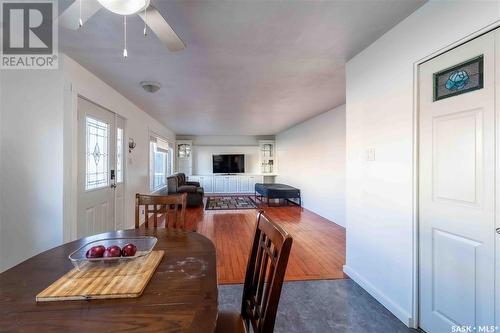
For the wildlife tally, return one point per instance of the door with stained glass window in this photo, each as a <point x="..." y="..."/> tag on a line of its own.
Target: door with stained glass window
<point x="457" y="184"/>
<point x="100" y="169"/>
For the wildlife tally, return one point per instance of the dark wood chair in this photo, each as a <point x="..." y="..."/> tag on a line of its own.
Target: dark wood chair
<point x="171" y="207"/>
<point x="263" y="281"/>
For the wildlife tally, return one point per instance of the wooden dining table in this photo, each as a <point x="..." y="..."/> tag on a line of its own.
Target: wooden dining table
<point x="180" y="297"/>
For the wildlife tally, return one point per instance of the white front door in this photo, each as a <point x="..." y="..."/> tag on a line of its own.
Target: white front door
<point x="457" y="193"/>
<point x="100" y="169"/>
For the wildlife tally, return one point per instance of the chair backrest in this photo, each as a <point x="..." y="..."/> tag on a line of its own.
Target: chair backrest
<point x="265" y="274"/>
<point x="172" y="209"/>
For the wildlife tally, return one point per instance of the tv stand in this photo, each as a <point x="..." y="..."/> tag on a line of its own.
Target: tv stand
<point x="228" y="183"/>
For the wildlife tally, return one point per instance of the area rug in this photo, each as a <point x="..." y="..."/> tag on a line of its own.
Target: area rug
<point x="224" y="203"/>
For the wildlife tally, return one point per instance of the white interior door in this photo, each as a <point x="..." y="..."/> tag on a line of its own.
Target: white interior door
<point x="100" y="163"/>
<point x="457" y="195"/>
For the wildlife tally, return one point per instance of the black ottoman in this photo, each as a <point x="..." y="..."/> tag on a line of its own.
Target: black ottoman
<point x="278" y="191"/>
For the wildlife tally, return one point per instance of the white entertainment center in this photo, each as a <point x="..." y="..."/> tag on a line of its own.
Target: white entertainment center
<point x="229" y="183"/>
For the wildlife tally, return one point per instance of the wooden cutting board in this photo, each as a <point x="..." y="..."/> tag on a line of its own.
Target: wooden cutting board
<point x="124" y="280"/>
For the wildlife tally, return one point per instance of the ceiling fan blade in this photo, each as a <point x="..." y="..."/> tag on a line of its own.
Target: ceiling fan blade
<point x="162" y="29"/>
<point x="70" y="17"/>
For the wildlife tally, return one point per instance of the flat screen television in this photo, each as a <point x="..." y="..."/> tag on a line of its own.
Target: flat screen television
<point x="228" y="163"/>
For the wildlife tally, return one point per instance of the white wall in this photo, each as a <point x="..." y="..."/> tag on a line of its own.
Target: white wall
<point x="379" y="202"/>
<point x="206" y="146"/>
<point x="38" y="146"/>
<point x="31" y="163"/>
<point x="311" y="156"/>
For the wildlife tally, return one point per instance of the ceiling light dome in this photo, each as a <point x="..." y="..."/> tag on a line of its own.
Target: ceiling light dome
<point x="150" y="86"/>
<point x="125" y="7"/>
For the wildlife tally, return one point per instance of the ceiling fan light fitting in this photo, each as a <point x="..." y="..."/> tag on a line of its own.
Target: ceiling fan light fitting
<point x="125" y="7"/>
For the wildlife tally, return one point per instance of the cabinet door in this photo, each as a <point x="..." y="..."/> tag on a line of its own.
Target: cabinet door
<point x="251" y="183"/>
<point x="233" y="184"/>
<point x="245" y="184"/>
<point x="207" y="184"/>
<point x="219" y="184"/>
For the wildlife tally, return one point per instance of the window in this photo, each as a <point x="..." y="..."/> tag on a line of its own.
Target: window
<point x="119" y="155"/>
<point x="96" y="171"/>
<point x="170" y="162"/>
<point x="160" y="163"/>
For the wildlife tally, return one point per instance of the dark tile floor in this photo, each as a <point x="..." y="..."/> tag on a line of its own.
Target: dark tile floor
<point x="323" y="306"/>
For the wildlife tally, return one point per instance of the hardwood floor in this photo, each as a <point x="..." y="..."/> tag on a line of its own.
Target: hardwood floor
<point x="318" y="250"/>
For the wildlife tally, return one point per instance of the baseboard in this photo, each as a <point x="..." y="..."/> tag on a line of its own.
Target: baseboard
<point x="396" y="310"/>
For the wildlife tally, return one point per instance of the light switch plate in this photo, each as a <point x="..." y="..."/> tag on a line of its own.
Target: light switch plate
<point x="370" y="154"/>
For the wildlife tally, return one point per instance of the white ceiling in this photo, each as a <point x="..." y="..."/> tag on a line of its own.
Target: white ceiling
<point x="250" y="67"/>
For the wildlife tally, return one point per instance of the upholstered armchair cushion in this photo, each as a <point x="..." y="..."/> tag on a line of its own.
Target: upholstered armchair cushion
<point x="186" y="189"/>
<point x="182" y="178"/>
<point x="172" y="184"/>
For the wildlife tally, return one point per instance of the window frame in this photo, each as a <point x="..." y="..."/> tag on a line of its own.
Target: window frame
<point x="120" y="155"/>
<point x="168" y="165"/>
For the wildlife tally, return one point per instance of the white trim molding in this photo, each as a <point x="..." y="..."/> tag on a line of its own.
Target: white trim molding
<point x="70" y="151"/>
<point x="401" y="314"/>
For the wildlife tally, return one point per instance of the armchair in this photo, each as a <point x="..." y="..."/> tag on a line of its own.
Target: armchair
<point x="177" y="184"/>
<point x="182" y="180"/>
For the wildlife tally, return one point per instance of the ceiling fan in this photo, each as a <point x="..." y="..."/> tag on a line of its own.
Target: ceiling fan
<point x="81" y="10"/>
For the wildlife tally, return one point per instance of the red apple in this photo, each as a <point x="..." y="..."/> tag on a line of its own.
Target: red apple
<point x="95" y="252"/>
<point x="112" y="252"/>
<point x="129" y="250"/>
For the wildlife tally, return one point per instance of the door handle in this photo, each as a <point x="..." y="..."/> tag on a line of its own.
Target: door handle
<point x="498" y="230"/>
<point x="113" y="186"/>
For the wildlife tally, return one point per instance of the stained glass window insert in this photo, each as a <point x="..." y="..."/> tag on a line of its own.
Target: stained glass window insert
<point x="459" y="79"/>
<point x="97" y="136"/>
<point x="119" y="155"/>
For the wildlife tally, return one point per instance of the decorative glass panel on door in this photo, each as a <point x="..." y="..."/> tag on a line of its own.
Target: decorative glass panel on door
<point x="119" y="155"/>
<point x="97" y="163"/>
<point x="459" y="79"/>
